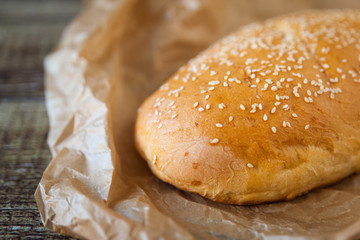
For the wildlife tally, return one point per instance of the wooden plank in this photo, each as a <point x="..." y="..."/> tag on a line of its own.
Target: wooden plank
<point x="23" y="155"/>
<point x="29" y="30"/>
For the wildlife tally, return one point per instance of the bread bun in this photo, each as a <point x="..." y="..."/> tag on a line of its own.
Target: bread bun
<point x="267" y="113"/>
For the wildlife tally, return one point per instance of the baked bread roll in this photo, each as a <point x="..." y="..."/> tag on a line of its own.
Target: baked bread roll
<point x="265" y="114"/>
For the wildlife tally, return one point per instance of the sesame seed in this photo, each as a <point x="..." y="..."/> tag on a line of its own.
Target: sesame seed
<point x="214" y="141"/>
<point x="273" y="129"/>
<point x="231" y="118"/>
<point x="154" y="159"/>
<point x="250" y="165"/>
<point x="200" y="109"/>
<point x="253" y="110"/>
<point x="222" y="106"/>
<point x="207" y="97"/>
<point x="211" y="88"/>
<point x="307" y="126"/>
<point x="294" y="115"/>
<point x="277" y="103"/>
<point x="242" y="107"/>
<point x="225" y="84"/>
<point x="274" y="88"/>
<point x="284" y="124"/>
<point x="284" y="97"/>
<point x="218" y="125"/>
<point x="160" y="125"/>
<point x="213" y="83"/>
<point x="326" y="66"/>
<point x="174" y="116"/>
<point x="212" y="73"/>
<point x="288" y="124"/>
<point x="325" y="50"/>
<point x="339" y="70"/>
<point x="203" y="91"/>
<point x="164" y="86"/>
<point x="265" y="117"/>
<point x="207" y="106"/>
<point x="265" y="87"/>
<point x="196" y="104"/>
<point x="353" y="74"/>
<point x="273" y="109"/>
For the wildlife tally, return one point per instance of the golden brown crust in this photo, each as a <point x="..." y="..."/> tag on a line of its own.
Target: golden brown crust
<point x="265" y="114"/>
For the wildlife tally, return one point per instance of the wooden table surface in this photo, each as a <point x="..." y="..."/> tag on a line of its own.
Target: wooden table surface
<point x="29" y="29"/>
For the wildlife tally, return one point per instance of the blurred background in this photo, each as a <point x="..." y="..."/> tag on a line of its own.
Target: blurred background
<point x="29" y="30"/>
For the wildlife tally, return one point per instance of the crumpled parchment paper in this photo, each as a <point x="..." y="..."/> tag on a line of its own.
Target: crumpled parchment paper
<point x="113" y="55"/>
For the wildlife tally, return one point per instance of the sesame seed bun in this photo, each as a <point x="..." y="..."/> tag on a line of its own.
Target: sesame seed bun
<point x="265" y="114"/>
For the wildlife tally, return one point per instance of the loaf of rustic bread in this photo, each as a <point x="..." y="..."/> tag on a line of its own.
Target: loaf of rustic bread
<point x="267" y="113"/>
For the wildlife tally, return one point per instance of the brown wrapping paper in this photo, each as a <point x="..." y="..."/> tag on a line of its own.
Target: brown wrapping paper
<point x="97" y="187"/>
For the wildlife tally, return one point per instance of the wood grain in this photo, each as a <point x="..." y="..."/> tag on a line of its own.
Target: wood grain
<point x="29" y="29"/>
